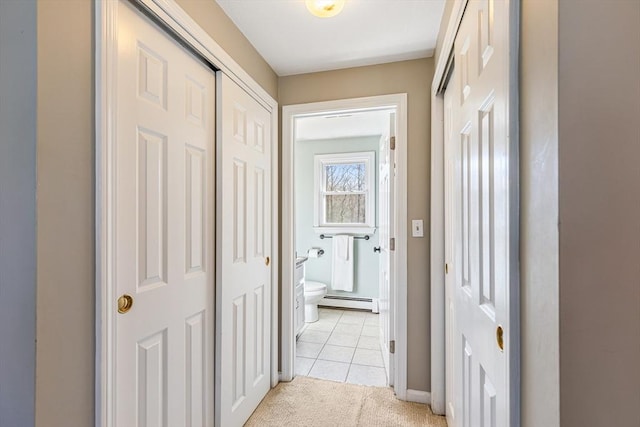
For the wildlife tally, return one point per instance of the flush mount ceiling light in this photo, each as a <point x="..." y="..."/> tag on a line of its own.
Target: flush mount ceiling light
<point x="325" y="8"/>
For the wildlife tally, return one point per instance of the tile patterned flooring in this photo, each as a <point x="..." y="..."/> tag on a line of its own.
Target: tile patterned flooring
<point x="343" y="345"/>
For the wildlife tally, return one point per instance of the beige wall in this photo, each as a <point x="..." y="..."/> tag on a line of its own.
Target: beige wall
<point x="539" y="213"/>
<point x="65" y="213"/>
<point x="599" y="176"/>
<point x="212" y="18"/>
<point x="414" y="78"/>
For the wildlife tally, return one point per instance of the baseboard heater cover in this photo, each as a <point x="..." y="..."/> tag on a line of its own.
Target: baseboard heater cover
<point x="347" y="298"/>
<point x="340" y="301"/>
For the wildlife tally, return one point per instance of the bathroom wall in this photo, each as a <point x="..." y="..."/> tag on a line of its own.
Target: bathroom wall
<point x="319" y="269"/>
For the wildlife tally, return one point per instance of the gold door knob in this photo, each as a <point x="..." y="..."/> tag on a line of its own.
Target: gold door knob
<point x="125" y="302"/>
<point x="500" y="337"/>
<point x="267" y="261"/>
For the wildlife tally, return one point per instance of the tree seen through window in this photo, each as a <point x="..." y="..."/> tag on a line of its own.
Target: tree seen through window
<point x="345" y="193"/>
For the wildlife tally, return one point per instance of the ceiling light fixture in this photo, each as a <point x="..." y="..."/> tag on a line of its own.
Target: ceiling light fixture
<point x="325" y="8"/>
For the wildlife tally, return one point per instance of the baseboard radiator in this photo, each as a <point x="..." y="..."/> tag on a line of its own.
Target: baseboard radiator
<point x="342" y="301"/>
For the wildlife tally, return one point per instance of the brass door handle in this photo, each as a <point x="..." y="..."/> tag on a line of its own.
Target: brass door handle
<point x="125" y="302"/>
<point x="500" y="337"/>
<point x="267" y="261"/>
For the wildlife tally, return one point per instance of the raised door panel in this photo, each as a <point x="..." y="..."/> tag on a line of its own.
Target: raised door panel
<point x="152" y="379"/>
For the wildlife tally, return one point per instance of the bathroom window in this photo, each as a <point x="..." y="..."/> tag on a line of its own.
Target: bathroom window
<point x="345" y="192"/>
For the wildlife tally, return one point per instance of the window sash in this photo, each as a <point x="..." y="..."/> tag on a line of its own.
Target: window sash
<point x="323" y="161"/>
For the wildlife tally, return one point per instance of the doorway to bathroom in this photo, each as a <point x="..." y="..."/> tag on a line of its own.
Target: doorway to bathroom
<point x="344" y="241"/>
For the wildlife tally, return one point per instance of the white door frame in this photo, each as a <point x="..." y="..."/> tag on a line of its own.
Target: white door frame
<point x="180" y="25"/>
<point x="438" y="357"/>
<point x="289" y="113"/>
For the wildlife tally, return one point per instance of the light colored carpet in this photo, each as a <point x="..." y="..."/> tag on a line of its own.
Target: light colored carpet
<point x="312" y="402"/>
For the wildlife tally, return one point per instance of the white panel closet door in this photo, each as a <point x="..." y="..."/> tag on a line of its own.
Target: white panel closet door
<point x="243" y="290"/>
<point x="485" y="217"/>
<point x="164" y="229"/>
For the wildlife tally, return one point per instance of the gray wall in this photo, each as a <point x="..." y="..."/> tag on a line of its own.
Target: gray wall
<point x="319" y="269"/>
<point x="414" y="78"/>
<point x="17" y="212"/>
<point x="599" y="187"/>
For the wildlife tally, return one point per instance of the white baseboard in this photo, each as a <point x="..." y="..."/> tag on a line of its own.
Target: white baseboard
<point x="419" y="396"/>
<point x="345" y="303"/>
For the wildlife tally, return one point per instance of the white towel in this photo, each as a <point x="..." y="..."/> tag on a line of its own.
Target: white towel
<point x="342" y="260"/>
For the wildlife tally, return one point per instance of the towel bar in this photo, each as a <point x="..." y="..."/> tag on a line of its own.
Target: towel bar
<point x="322" y="236"/>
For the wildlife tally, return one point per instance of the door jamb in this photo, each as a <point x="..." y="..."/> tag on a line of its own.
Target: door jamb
<point x="180" y="25"/>
<point x="289" y="112"/>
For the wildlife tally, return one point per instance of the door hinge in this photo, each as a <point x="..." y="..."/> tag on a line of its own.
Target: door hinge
<point x="446" y="269"/>
<point x="392" y="143"/>
<point x="392" y="244"/>
<point x="392" y="346"/>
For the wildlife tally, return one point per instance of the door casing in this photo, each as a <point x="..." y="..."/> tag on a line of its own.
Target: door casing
<point x="289" y="113"/>
<point x="176" y="22"/>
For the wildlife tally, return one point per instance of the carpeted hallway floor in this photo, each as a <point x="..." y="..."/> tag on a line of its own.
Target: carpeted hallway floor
<point x="311" y="402"/>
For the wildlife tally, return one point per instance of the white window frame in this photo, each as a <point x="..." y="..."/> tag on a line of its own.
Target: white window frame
<point x="322" y="160"/>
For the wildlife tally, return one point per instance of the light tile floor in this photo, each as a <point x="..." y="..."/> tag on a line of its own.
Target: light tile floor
<point x="343" y="345"/>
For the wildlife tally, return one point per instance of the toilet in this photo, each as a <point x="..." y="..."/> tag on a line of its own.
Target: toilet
<point x="313" y="294"/>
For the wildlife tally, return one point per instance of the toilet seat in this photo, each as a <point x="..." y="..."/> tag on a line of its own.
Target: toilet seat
<point x="312" y="286"/>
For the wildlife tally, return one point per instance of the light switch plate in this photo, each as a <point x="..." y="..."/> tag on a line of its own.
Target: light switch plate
<point x="417" y="228"/>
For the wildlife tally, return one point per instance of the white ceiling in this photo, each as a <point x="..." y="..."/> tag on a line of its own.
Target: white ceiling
<point x="342" y="125"/>
<point x="367" y="32"/>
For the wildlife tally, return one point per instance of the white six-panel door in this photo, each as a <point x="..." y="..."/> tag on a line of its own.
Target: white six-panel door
<point x="164" y="229"/>
<point x="482" y="265"/>
<point x="243" y="289"/>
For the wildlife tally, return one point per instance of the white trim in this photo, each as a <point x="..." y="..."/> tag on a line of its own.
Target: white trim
<point x="106" y="44"/>
<point x="447" y="43"/>
<point x="106" y="88"/>
<point x="275" y="248"/>
<point x="438" y="381"/>
<point x="345" y="230"/>
<point x="399" y="102"/>
<point x="419" y="396"/>
<point x="438" y="396"/>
